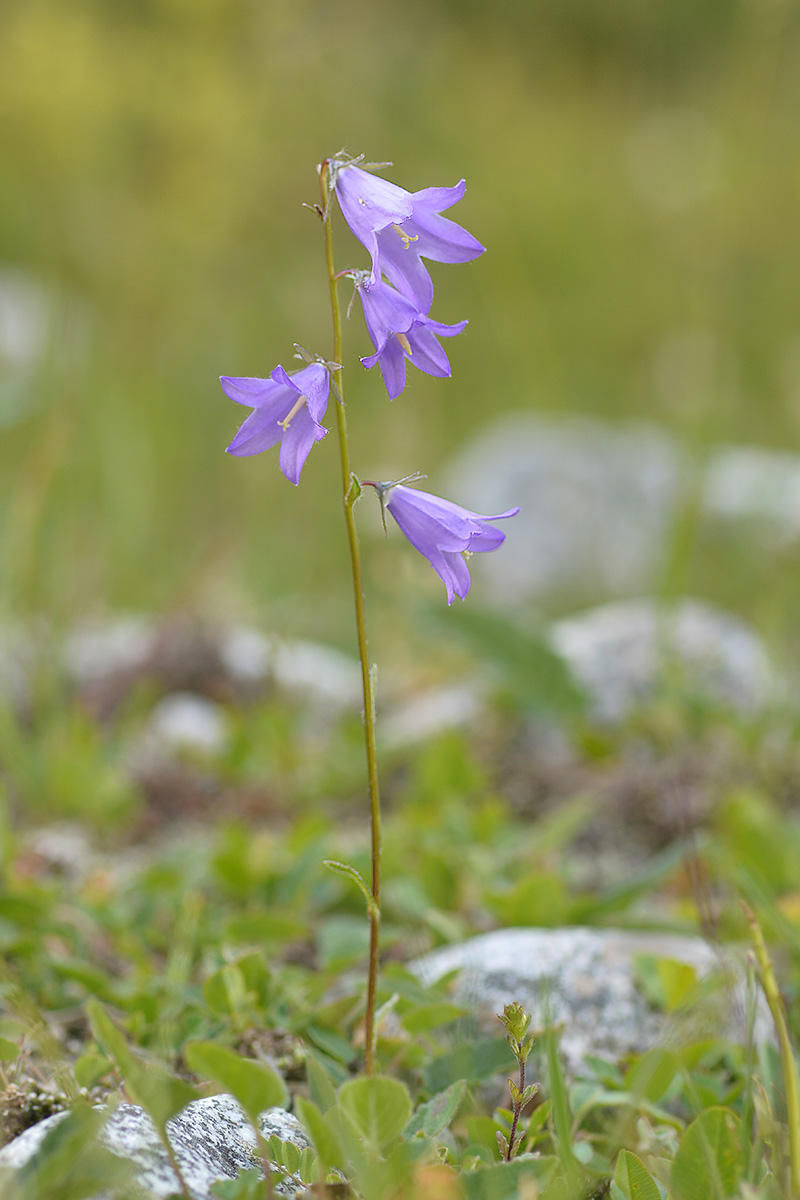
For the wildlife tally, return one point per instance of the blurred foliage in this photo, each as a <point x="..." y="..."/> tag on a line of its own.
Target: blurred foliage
<point x="632" y="168"/>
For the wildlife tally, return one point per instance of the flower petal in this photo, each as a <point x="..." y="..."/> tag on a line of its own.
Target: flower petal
<point x="296" y="444"/>
<point x="392" y="362"/>
<point x="251" y="391"/>
<point x="441" y="531"/>
<point x="369" y="203"/>
<point x="302" y="397"/>
<point x="259" y="432"/>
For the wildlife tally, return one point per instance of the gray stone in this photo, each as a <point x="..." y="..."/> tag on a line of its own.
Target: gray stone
<point x="211" y="1139"/>
<point x="97" y="651"/>
<point x="585" y="979"/>
<point x="458" y="706"/>
<point x="596" y="503"/>
<point x="320" y="673"/>
<point x="619" y="653"/>
<point x="185" y="721"/>
<point x="750" y="483"/>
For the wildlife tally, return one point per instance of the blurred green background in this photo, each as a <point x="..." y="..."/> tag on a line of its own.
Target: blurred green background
<point x="633" y="167"/>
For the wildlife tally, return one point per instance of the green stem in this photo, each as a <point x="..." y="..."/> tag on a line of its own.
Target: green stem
<point x="788" y="1067"/>
<point x="349" y="498"/>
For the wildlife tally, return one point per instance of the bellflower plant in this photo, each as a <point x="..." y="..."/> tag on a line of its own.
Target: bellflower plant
<point x="399" y="332"/>
<point x="444" y="533"/>
<point x="398" y="228"/>
<point x="286" y="409"/>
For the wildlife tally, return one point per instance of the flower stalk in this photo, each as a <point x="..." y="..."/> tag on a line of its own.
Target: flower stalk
<point x="516" y="1022"/>
<point x="350" y="494"/>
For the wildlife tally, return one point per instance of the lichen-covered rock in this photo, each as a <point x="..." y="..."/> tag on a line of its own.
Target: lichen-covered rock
<point x="621" y="653"/>
<point x="211" y="1139"/>
<point x="587" y="981"/>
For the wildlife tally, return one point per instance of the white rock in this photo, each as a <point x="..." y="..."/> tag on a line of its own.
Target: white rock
<point x="97" y="651"/>
<point x="620" y="652"/>
<point x="211" y="1138"/>
<point x="246" y="653"/>
<point x="749" y="482"/>
<point x="596" y="503"/>
<point x="586" y="979"/>
<point x="432" y="712"/>
<point x="184" y="720"/>
<point x="318" y="672"/>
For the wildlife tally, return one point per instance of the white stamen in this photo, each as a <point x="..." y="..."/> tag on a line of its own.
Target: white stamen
<point x="298" y="404"/>
<point x="407" y="237"/>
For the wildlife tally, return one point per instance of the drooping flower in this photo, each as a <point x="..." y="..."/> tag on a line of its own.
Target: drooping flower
<point x="443" y="532"/>
<point x="399" y="331"/>
<point x="400" y="228"/>
<point x="286" y="409"/>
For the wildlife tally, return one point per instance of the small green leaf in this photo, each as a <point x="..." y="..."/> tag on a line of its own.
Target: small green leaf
<point x="160" y="1094"/>
<point x="468" y="1060"/>
<point x="431" y="1016"/>
<point x="378" y="1106"/>
<point x="71" y="1164"/>
<point x="320" y="1084"/>
<point x="652" y="1074"/>
<point x="710" y="1160"/>
<point x="109" y="1039"/>
<point x="633" y="1179"/>
<point x="354" y="491"/>
<point x="226" y="991"/>
<point x="434" y="1116"/>
<point x="504" y="1180"/>
<point x="89" y="1068"/>
<point x="356" y="877"/>
<point x="255" y="1085"/>
<point x="324" y="1140"/>
<point x="249" y="1185"/>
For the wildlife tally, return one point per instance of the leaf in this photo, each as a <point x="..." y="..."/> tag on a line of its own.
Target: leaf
<point x="89" y="1068"/>
<point x="226" y="991"/>
<point x="431" y="1016"/>
<point x="160" y="1094"/>
<point x="71" y="1164"/>
<point x="633" y="1179"/>
<point x="324" y="1140"/>
<point x="248" y="1185"/>
<point x="320" y="1084"/>
<point x="434" y="1116"/>
<point x="709" y="1162"/>
<point x="378" y="1106"/>
<point x="651" y="1076"/>
<point x="109" y="1038"/>
<point x="340" y="868"/>
<point x="508" y="1181"/>
<point x="255" y="1085"/>
<point x="469" y="1060"/>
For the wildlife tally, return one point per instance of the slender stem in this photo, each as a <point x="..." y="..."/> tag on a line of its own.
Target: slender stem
<point x="517" y="1106"/>
<point x="349" y="498"/>
<point x="788" y="1067"/>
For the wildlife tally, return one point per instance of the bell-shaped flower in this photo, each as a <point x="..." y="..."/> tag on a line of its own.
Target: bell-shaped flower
<point x="286" y="409"/>
<point x="444" y="533"/>
<point x="400" y="228"/>
<point x="399" y="331"/>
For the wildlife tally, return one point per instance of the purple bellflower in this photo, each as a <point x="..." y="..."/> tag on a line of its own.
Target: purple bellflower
<point x="399" y="331"/>
<point x="443" y="532"/>
<point x="286" y="409"/>
<point x="400" y="228"/>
